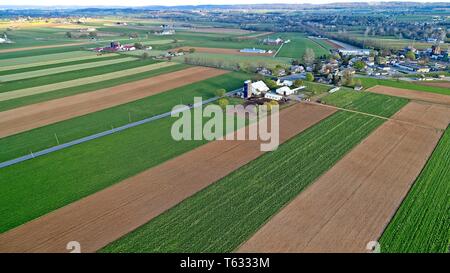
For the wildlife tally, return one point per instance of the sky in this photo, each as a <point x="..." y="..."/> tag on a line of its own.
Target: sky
<point x="179" y="2"/>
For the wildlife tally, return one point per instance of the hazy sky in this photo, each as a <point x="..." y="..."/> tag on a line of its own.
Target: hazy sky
<point x="177" y="2"/>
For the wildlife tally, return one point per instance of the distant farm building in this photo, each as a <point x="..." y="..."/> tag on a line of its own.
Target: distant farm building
<point x="254" y="50"/>
<point x="114" y="47"/>
<point x="269" y="41"/>
<point x="355" y="52"/>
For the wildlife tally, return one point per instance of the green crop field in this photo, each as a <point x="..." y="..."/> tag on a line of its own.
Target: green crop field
<point x="78" y="127"/>
<point x="299" y="43"/>
<point x="422" y="224"/>
<point x="58" y="70"/>
<point x="80" y="81"/>
<point x="228" y="61"/>
<point x="8" y="70"/>
<point x="40" y="52"/>
<point x="370" y="82"/>
<point x="225" y="214"/>
<point x="366" y="102"/>
<point x="39" y="60"/>
<point x="33" y="188"/>
<point x="14" y="99"/>
<point x="71" y="75"/>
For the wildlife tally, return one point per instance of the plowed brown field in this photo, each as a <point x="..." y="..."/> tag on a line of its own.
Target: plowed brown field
<point x="36" y="115"/>
<point x="351" y="204"/>
<point x="109" y="214"/>
<point x="411" y="94"/>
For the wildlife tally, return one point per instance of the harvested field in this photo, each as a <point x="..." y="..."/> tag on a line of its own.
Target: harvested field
<point x="353" y="202"/>
<point x="41" y="47"/>
<point x="443" y="84"/>
<point x="93" y="220"/>
<point x="221" y="51"/>
<point x="41" y="114"/>
<point x="62" y="69"/>
<point x="411" y="94"/>
<point x="81" y="81"/>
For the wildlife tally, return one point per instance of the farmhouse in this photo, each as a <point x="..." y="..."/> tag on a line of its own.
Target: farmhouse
<point x="114" y="47"/>
<point x="269" y="41"/>
<point x="284" y="83"/>
<point x="165" y="32"/>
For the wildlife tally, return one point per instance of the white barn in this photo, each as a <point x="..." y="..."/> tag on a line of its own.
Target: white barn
<point x="285" y="91"/>
<point x="272" y="96"/>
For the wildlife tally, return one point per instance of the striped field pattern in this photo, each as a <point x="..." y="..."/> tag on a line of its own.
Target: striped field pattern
<point x="77" y="82"/>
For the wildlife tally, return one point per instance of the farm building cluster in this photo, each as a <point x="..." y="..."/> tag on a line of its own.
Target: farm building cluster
<point x="256" y="51"/>
<point x="260" y="90"/>
<point x="115" y="47"/>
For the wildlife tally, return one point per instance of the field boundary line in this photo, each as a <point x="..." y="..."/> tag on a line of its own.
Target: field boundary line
<point x="104" y="133"/>
<point x="376" y="116"/>
<point x="81" y="81"/>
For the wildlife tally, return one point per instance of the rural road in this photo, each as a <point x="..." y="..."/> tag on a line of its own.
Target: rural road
<point x="105" y="133"/>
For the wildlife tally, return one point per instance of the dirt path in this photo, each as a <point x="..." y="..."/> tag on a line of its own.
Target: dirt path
<point x="41" y="47"/>
<point x="37" y="115"/>
<point x="249" y="37"/>
<point x="352" y="203"/>
<point x="109" y="214"/>
<point x="227" y="51"/>
<point x="411" y="94"/>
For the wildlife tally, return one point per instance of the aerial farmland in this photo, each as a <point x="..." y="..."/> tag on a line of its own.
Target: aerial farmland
<point x="89" y="100"/>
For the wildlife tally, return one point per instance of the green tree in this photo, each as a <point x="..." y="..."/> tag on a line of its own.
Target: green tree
<point x="347" y="78"/>
<point x="138" y="45"/>
<point x="309" y="77"/>
<point x="191" y="50"/>
<point x="410" y="55"/>
<point x="220" y="92"/>
<point x="271" y="84"/>
<point x="309" y="56"/>
<point x="69" y="34"/>
<point x="298" y="83"/>
<point x="359" y="65"/>
<point x="93" y="34"/>
<point x="223" y="102"/>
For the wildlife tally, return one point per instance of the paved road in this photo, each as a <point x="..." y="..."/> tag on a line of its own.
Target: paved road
<point x="105" y="133"/>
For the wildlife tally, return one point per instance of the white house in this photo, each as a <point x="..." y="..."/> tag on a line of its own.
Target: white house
<point x="285" y="91"/>
<point x="272" y="96"/>
<point x="285" y="83"/>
